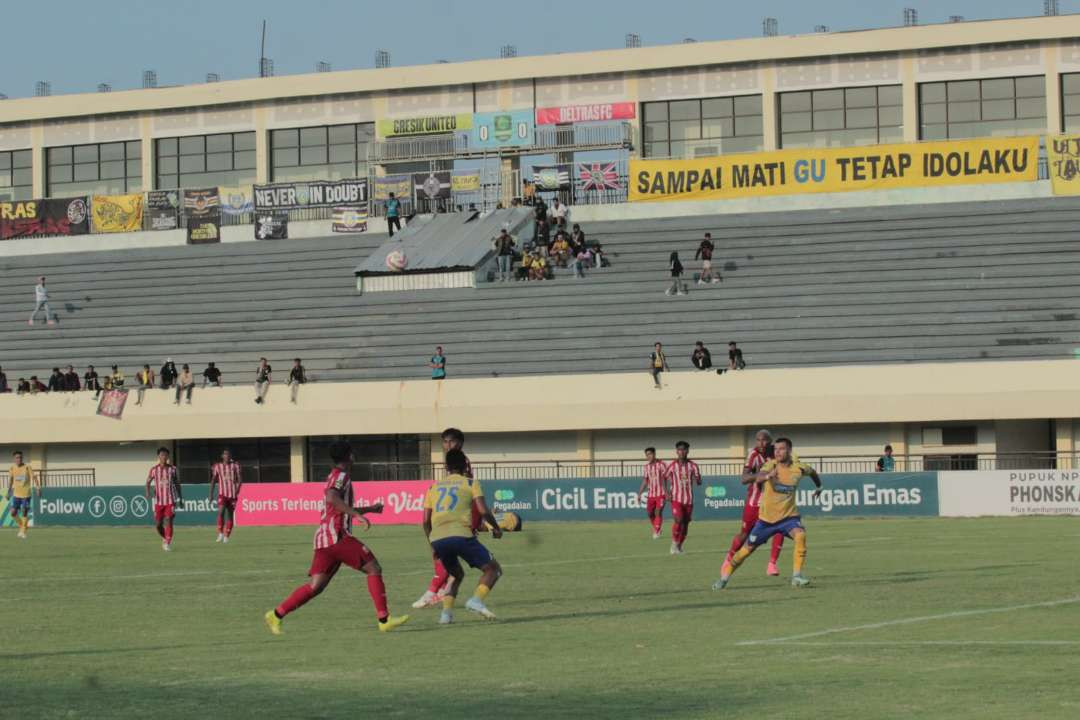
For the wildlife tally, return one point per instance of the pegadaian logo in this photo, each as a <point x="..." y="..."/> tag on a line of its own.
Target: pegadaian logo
<point x="716" y="491"/>
<point x="504" y="495"/>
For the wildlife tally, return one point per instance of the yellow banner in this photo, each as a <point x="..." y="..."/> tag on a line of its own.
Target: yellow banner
<point x="1063" y="158"/>
<point x="819" y="170"/>
<point x="424" y="125"/>
<point x="117" y="213"/>
<point x="465" y="181"/>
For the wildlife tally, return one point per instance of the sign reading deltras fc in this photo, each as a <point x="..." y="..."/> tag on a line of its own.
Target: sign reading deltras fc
<point x="818" y="170"/>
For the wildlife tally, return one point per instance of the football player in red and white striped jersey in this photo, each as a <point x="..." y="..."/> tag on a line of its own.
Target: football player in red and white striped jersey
<point x="452" y="439"/>
<point x="166" y="496"/>
<point x="682" y="475"/>
<point x="654" y="480"/>
<point x="335" y="544"/>
<point x="761" y="452"/>
<point x="228" y="477"/>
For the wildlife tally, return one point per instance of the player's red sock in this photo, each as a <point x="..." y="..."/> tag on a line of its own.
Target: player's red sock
<point x="168" y="534"/>
<point x="658" y="522"/>
<point x="228" y="528"/>
<point x="736" y="543"/>
<point x="441" y="574"/>
<point x="160" y="530"/>
<point x="777" y="543"/>
<point x="220" y="523"/>
<point x="299" y="596"/>
<point x="377" y="589"/>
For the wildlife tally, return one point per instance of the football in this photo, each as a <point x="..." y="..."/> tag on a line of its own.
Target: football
<point x="396" y="261"/>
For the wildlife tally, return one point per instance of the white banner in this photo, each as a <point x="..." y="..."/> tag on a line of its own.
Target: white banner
<point x="1009" y="493"/>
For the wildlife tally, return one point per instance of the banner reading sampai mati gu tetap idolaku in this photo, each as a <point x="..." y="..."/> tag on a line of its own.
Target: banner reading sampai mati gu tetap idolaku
<point x="818" y="170"/>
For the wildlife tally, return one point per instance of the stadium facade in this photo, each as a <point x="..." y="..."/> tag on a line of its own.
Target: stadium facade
<point x="931" y="83"/>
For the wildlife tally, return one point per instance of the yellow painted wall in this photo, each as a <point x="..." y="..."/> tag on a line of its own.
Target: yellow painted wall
<point x="114" y="463"/>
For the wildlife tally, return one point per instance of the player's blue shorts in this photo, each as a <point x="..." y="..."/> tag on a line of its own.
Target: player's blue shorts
<point x="18" y="504"/>
<point x="469" y="549"/>
<point x="762" y="530"/>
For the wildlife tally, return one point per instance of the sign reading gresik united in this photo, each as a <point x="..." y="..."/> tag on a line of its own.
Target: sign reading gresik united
<point x="424" y="125"/>
<point x="586" y="113"/>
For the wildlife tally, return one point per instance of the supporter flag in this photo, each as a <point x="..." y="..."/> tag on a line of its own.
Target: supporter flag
<point x="551" y="177"/>
<point x="1063" y="158"/>
<point x="433" y="185"/>
<point x="161" y="207"/>
<point x="465" y="181"/>
<point x="202" y="211"/>
<point x="400" y="185"/>
<point x="272" y="226"/>
<point x="598" y="176"/>
<point x="236" y="200"/>
<point x="349" y="220"/>
<point x="117" y="213"/>
<point x="111" y="404"/>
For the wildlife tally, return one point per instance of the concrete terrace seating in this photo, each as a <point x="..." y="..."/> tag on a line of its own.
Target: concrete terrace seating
<point x="871" y="285"/>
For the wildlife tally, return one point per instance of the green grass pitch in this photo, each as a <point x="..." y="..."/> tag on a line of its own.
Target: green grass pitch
<point x="906" y="618"/>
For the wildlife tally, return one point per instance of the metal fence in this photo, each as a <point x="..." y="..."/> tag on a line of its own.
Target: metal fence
<point x="71" y="477"/>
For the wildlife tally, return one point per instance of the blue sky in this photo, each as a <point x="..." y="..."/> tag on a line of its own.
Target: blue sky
<point x="76" y="45"/>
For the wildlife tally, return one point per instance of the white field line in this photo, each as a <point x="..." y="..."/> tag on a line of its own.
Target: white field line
<point x="913" y="621"/>
<point x="932" y="643"/>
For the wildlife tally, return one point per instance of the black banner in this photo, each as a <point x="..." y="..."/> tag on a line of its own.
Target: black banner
<point x="271" y="226"/>
<point x="64" y="216"/>
<point x="349" y="220"/>
<point x="312" y="194"/>
<point x="202" y="211"/>
<point x="433" y="185"/>
<point x="162" y="207"/>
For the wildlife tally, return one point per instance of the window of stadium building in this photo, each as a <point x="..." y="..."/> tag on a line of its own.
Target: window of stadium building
<point x="16" y="175"/>
<point x="841" y="117"/>
<point x="378" y="457"/>
<point x="321" y="153"/>
<point x="205" y="160"/>
<point x="982" y="108"/>
<point x="1070" y="104"/>
<point x="263" y="460"/>
<point x="699" y="128"/>
<point x="99" y="169"/>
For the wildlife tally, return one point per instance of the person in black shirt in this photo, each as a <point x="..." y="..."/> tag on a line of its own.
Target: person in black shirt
<point x="735" y="359"/>
<point x="23" y="386"/>
<point x="90" y="380"/>
<point x="701" y="358"/>
<point x="262" y="380"/>
<point x="56" y="381"/>
<point x="297" y="377"/>
<point x="676" y="267"/>
<point x="705" y="252"/>
<point x="71" y="380"/>
<point x="3" y="382"/>
<point x="36" y="385"/>
<point x="211" y="375"/>
<point x="168" y="374"/>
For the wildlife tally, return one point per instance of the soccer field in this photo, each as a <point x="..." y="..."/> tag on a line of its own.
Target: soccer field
<point x="905" y="618"/>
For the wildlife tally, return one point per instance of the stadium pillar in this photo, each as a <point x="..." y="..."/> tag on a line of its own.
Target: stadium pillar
<point x="436" y="454"/>
<point x="909" y="94"/>
<point x="898" y="440"/>
<point x="297" y="466"/>
<point x="769" y="123"/>
<point x="585" y="452"/>
<point x="262" y="149"/>
<point x="146" y="141"/>
<point x="37" y="152"/>
<point x="1065" y="443"/>
<point x="737" y="449"/>
<point x="1053" y="87"/>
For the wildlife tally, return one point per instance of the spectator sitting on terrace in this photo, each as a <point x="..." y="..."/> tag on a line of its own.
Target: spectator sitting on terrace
<point x="115" y="380"/>
<point x="581" y="261"/>
<point x="184" y="383"/>
<point x="538" y="269"/>
<point x="886" y="463"/>
<point x="528" y="192"/>
<point x="701" y="358"/>
<point x="145" y="380"/>
<point x="211" y="375"/>
<point x="676" y="268"/>
<point x="527" y="258"/>
<point x="3" y="382"/>
<point x="71" y="380"/>
<point x="23" y="387"/>
<point x="262" y="380"/>
<point x="542" y="240"/>
<point x="56" y="381"/>
<point x="577" y="238"/>
<point x="168" y="374"/>
<point x="735" y="358"/>
<point x="90" y="380"/>
<point x="560" y="250"/>
<point x="297" y="377"/>
<point x="599" y="259"/>
<point x="558" y="213"/>
<point x="36" y="386"/>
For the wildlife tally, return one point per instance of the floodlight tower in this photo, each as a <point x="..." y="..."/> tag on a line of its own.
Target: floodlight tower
<point x="770" y="27"/>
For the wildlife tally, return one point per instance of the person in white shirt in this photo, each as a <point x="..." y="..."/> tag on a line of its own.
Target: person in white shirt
<point x="41" y="302"/>
<point x="558" y="213"/>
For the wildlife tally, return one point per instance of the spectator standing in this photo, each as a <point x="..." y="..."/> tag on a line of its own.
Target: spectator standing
<point x="705" y="252"/>
<point x="23" y="387"/>
<point x="145" y="380"/>
<point x="71" y="380"/>
<point x="168" y="374"/>
<point x="735" y="358"/>
<point x="3" y="382"/>
<point x="185" y="381"/>
<point x="504" y="254"/>
<point x="41" y="302"/>
<point x="438" y="364"/>
<point x="701" y="358"/>
<point x="115" y="380"/>
<point x="528" y="192"/>
<point x="657" y="363"/>
<point x="56" y="381"/>
<point x="36" y="385"/>
<point x="886" y="463"/>
<point x="262" y="380"/>
<point x="297" y="377"/>
<point x="211" y="375"/>
<point x="393" y="214"/>
<point x="543" y="236"/>
<point x="676" y="268"/>
<point x="90" y="381"/>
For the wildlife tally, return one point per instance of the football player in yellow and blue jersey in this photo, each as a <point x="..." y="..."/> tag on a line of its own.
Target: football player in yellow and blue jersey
<point x="448" y="516"/>
<point x="779" y="479"/>
<point x="21" y="484"/>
